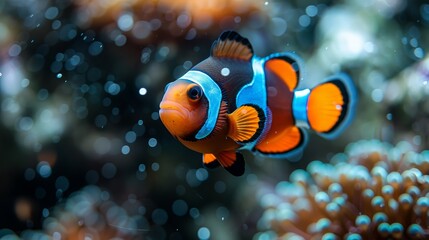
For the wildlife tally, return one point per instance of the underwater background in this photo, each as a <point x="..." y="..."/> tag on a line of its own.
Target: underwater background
<point x="83" y="154"/>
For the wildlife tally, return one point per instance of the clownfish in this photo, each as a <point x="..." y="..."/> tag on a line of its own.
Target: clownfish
<point x="234" y="101"/>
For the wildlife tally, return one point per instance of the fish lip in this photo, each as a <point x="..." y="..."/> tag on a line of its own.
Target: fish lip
<point x="173" y="107"/>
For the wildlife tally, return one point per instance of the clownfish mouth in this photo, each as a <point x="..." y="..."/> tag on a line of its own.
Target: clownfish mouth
<point x="173" y="115"/>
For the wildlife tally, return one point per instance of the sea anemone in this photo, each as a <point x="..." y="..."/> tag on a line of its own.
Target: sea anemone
<point x="372" y="191"/>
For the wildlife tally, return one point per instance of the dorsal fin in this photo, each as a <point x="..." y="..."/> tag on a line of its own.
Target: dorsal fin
<point x="230" y="44"/>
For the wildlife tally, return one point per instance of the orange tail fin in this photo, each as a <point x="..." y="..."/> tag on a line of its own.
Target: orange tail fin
<point x="330" y="106"/>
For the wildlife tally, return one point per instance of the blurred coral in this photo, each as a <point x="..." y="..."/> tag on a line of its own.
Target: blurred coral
<point x="145" y="21"/>
<point x="372" y="191"/>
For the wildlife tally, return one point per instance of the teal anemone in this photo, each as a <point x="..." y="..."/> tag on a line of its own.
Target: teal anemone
<point x="372" y="191"/>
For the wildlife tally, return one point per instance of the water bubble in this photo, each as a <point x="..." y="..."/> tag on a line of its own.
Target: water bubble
<point x="145" y="56"/>
<point x="108" y="170"/>
<point x="56" y="24"/>
<point x="389" y="116"/>
<point x="59" y="75"/>
<point x="45" y="212"/>
<point x="203" y="233"/>
<point x="155" y="24"/>
<point x="120" y="40"/>
<point x="125" y="22"/>
<point x="29" y="174"/>
<point x="43" y="94"/>
<point x="164" y="51"/>
<point x="183" y="21"/>
<point x="44" y="169"/>
<point x="112" y="88"/>
<point x="194" y="212"/>
<point x="125" y="149"/>
<point x="142" y="91"/>
<point x="419" y="53"/>
<point x="130" y="137"/>
<point x="192" y="33"/>
<point x="304" y="21"/>
<point x="142" y="167"/>
<point x="155" y="116"/>
<point x="191" y="178"/>
<point x="62" y="183"/>
<point x="202" y="174"/>
<point x="159" y="216"/>
<point x="377" y="95"/>
<point x="24" y="82"/>
<point x="25" y="123"/>
<point x="115" y="111"/>
<point x="311" y="10"/>
<point x="180" y="207"/>
<point x="152" y="142"/>
<point x="225" y="72"/>
<point x="14" y="50"/>
<point x="74" y="60"/>
<point x="279" y="26"/>
<point x="100" y="121"/>
<point x="155" y="166"/>
<point x="141" y="29"/>
<point x="414" y="43"/>
<point x="95" y="48"/>
<point x="51" y="13"/>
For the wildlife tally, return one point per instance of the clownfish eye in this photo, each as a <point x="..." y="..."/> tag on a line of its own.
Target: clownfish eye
<point x="195" y="92"/>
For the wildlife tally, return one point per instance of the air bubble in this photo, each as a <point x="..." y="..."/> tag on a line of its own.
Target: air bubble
<point x="155" y="166"/>
<point x="125" y="149"/>
<point x="95" y="48"/>
<point x="159" y="216"/>
<point x="125" y="22"/>
<point x="44" y="169"/>
<point x="203" y="233"/>
<point x="152" y="142"/>
<point x="108" y="170"/>
<point x="180" y="207"/>
<point x="142" y="91"/>
<point x="311" y="10"/>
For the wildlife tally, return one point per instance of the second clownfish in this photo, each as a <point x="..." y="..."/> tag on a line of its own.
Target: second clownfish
<point x="234" y="100"/>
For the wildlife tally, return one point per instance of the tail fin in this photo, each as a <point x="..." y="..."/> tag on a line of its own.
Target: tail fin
<point x="331" y="106"/>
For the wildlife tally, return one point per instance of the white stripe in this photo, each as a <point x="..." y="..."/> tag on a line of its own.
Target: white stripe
<point x="255" y="93"/>
<point x="299" y="107"/>
<point x="213" y="94"/>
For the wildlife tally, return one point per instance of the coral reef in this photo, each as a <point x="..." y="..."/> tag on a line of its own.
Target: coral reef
<point x="372" y="191"/>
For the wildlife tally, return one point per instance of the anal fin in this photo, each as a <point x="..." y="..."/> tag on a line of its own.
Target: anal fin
<point x="210" y="161"/>
<point x="232" y="161"/>
<point x="282" y="142"/>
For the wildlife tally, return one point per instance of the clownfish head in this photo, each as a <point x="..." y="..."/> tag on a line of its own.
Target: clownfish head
<point x="183" y="109"/>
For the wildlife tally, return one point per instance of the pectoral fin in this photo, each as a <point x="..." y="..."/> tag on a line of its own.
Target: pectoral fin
<point x="246" y="123"/>
<point x="232" y="161"/>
